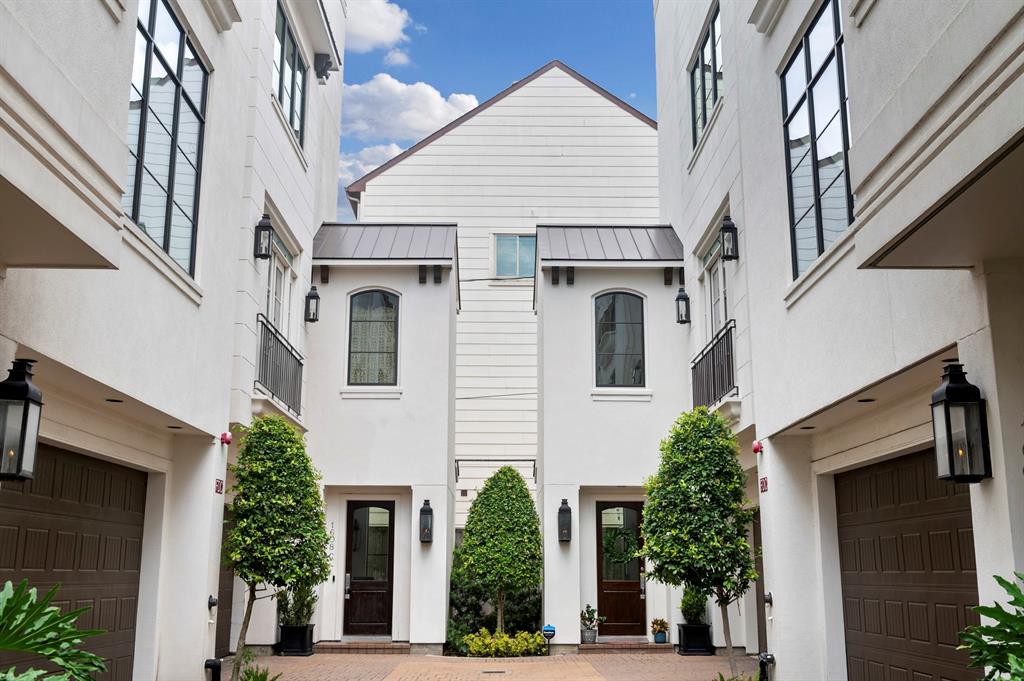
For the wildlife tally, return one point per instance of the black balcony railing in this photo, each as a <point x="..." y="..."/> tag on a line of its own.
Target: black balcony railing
<point x="280" y="366"/>
<point x="713" y="371"/>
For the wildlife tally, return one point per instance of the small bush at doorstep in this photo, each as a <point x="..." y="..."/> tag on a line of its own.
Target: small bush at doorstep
<point x="659" y="626"/>
<point x="694" y="605"/>
<point x="296" y="605"/>
<point x="258" y="674"/>
<point x="523" y="644"/>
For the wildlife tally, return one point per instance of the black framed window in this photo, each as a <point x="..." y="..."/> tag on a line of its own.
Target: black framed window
<point x="166" y="116"/>
<point x="706" y="77"/>
<point x="817" y="136"/>
<point x="619" y="340"/>
<point x="373" y="339"/>
<point x="289" y="75"/>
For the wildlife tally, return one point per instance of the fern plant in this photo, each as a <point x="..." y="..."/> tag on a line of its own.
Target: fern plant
<point x="999" y="647"/>
<point x="33" y="626"/>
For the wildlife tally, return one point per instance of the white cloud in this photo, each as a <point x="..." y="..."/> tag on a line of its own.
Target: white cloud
<point x="396" y="57"/>
<point x="353" y="166"/>
<point x="375" y="24"/>
<point x="384" y="108"/>
<point x="632" y="95"/>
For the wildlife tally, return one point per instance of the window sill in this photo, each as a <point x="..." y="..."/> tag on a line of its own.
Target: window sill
<point x="704" y="135"/>
<point x="289" y="133"/>
<point x="147" y="248"/>
<point x="825" y="262"/>
<point x="513" y="282"/>
<point x="621" y="395"/>
<point x="356" y="392"/>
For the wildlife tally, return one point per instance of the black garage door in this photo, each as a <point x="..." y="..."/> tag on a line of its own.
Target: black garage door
<point x="79" y="524"/>
<point x="906" y="551"/>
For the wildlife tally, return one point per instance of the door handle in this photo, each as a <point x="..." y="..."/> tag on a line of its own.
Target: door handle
<point x="348" y="586"/>
<point x="643" y="587"/>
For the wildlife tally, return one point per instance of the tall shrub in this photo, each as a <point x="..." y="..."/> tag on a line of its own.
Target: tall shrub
<point x="501" y="547"/>
<point x="695" y="520"/>
<point x="279" y="535"/>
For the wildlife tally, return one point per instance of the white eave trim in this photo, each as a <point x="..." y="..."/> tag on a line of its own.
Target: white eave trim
<point x="223" y="12"/>
<point x="625" y="264"/>
<point x="765" y="14"/>
<point x="381" y="262"/>
<point x="314" y="15"/>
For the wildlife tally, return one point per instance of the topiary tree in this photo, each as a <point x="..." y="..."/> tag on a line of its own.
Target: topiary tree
<point x="501" y="548"/>
<point x="695" y="519"/>
<point x="279" y="535"/>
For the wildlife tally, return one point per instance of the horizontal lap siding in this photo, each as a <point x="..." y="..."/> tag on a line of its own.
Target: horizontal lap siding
<point x="553" y="151"/>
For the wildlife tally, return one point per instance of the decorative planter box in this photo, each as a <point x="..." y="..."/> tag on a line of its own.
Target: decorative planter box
<point x="296" y="639"/>
<point x="660" y="637"/>
<point x="588" y="635"/>
<point x="695" y="639"/>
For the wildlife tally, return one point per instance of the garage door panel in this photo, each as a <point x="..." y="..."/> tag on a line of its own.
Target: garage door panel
<point x="906" y="554"/>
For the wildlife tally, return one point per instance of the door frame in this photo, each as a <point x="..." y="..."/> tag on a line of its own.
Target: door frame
<point x="349" y="507"/>
<point x="600" y="506"/>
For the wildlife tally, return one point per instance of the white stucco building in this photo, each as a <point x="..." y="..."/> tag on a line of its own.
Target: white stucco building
<point x="135" y="163"/>
<point x="865" y="153"/>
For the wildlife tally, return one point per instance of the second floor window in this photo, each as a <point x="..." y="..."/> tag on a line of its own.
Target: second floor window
<point x="717" y="298"/>
<point x="514" y="255"/>
<point x="706" y="77"/>
<point x="165" y="133"/>
<point x="817" y="140"/>
<point x="289" y="75"/>
<point x="619" y="340"/>
<point x="279" y="286"/>
<point x="373" y="339"/>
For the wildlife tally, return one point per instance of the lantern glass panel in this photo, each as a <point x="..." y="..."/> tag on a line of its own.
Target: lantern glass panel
<point x="11" y="414"/>
<point x="28" y="457"/>
<point x="965" y="428"/>
<point x="941" y="443"/>
<point x="728" y="244"/>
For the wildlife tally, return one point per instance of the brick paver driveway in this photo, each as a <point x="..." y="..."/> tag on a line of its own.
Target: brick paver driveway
<point x="559" y="668"/>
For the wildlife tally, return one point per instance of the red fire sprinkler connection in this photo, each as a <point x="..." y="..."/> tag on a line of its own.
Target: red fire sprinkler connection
<point x="225" y="438"/>
<point x="757" y="447"/>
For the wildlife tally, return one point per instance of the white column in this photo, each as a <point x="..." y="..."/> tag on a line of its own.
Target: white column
<point x="561" y="565"/>
<point x="428" y="588"/>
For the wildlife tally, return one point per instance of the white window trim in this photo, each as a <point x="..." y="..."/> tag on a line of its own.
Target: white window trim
<point x="392" y="392"/>
<point x="604" y="393"/>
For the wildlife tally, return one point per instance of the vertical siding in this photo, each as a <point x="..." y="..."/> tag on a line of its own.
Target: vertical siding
<point x="553" y="151"/>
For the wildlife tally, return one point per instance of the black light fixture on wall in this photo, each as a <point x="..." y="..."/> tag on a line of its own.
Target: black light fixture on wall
<point x="682" y="307"/>
<point x="961" y="429"/>
<point x="426" y="522"/>
<point x="21" y="404"/>
<point x="264" y="238"/>
<point x="729" y="237"/>
<point x="564" y="521"/>
<point x="312" y="305"/>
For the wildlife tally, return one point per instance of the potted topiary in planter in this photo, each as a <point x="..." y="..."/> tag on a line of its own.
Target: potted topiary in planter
<point x="659" y="628"/>
<point x="294" y="610"/>
<point x="589" y="620"/>
<point x="694" y="635"/>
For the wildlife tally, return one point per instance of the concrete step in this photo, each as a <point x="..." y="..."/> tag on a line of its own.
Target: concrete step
<point x="362" y="647"/>
<point x="623" y="647"/>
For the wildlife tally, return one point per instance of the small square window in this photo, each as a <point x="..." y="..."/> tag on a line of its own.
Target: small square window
<point x="515" y="255"/>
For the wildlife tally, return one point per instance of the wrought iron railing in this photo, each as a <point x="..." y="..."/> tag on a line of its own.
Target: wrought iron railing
<point x="280" y="366"/>
<point x="713" y="372"/>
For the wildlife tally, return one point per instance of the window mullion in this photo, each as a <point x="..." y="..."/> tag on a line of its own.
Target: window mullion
<point x="819" y="227"/>
<point x="140" y="143"/>
<point x="841" y="77"/>
<point x="172" y="154"/>
<point x="714" y="60"/>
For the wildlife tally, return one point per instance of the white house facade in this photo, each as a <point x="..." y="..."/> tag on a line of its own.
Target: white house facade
<point x="135" y="163"/>
<point x="864" y="152"/>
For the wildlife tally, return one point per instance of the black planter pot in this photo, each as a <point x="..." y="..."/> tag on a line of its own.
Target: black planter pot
<point x="695" y="639"/>
<point x="296" y="639"/>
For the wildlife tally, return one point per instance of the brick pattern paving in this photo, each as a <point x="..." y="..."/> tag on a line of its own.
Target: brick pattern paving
<point x="591" y="667"/>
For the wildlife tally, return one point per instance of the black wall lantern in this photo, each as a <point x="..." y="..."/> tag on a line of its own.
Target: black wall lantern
<point x="729" y="239"/>
<point x="312" y="305"/>
<point x="264" y="238"/>
<point x="426" y="522"/>
<point x="21" y="404"/>
<point x="682" y="307"/>
<point x="961" y="430"/>
<point x="564" y="521"/>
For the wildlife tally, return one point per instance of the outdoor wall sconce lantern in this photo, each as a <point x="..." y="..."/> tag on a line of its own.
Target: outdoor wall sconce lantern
<point x="426" y="522"/>
<point x="729" y="240"/>
<point x="264" y="238"/>
<point x="564" y="521"/>
<point x="961" y="430"/>
<point x="322" y="67"/>
<point x="682" y="307"/>
<point x="312" y="305"/>
<point x="21" y="404"/>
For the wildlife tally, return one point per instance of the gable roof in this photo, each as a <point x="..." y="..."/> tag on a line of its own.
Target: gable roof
<point x="609" y="243"/>
<point x="353" y="190"/>
<point x="363" y="241"/>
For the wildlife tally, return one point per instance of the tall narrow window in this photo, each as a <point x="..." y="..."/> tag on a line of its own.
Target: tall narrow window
<point x="619" y="340"/>
<point x="515" y="255"/>
<point x="373" y="339"/>
<point x="817" y="139"/>
<point x="165" y="133"/>
<point x="289" y="75"/>
<point x="279" y="286"/>
<point x="706" y="77"/>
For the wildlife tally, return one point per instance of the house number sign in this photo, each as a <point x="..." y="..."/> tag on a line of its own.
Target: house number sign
<point x="764" y="484"/>
<point x="218" y="486"/>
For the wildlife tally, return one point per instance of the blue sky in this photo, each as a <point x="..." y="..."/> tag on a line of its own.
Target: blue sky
<point x="411" y="66"/>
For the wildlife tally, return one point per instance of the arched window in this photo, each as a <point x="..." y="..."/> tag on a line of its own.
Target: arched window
<point x="619" y="340"/>
<point x="373" y="339"/>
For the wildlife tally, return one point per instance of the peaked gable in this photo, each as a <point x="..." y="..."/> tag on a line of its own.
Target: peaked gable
<point x="353" y="190"/>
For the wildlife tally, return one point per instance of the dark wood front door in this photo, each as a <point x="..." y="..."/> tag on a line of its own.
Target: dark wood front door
<point x="906" y="555"/>
<point x="223" y="644"/>
<point x="762" y="625"/>
<point x="369" y="568"/>
<point x="620" y="588"/>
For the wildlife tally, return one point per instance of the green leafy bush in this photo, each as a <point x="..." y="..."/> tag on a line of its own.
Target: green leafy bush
<point x="500" y="644"/>
<point x="999" y="647"/>
<point x="589" y="619"/>
<point x="659" y="626"/>
<point x="258" y="674"/>
<point x="33" y="626"/>
<point x="295" y="605"/>
<point x="693" y="605"/>
<point x="501" y="547"/>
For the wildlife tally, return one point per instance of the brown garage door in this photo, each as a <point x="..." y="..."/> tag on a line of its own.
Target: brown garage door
<point x="906" y="551"/>
<point x="79" y="524"/>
